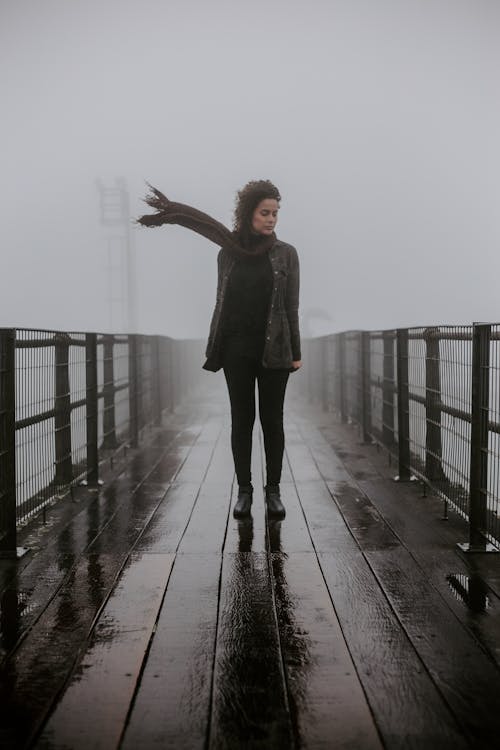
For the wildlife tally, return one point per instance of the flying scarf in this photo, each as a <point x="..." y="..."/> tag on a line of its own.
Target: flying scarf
<point x="170" y="212"/>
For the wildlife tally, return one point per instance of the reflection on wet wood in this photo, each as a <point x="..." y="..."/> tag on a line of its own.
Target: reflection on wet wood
<point x="461" y="670"/>
<point x="250" y="707"/>
<point x="328" y="704"/>
<point x="409" y="709"/>
<point x="343" y="625"/>
<point x="433" y="544"/>
<point x="60" y="620"/>
<point x="172" y="704"/>
<point x="94" y="707"/>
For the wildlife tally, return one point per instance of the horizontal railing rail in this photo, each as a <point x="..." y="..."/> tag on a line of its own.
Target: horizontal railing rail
<point x="69" y="400"/>
<point x="431" y="397"/>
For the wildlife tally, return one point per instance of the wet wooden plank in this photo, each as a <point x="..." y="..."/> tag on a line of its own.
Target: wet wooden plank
<point x="33" y="676"/>
<point x="300" y="459"/>
<point x="432" y="542"/>
<point x="409" y="710"/>
<point x="206" y="530"/>
<point x="350" y="449"/>
<point x="109" y="527"/>
<point x="207" y="526"/>
<point x="324" y="520"/>
<point x="417" y="522"/>
<point x="195" y="467"/>
<point x="286" y="474"/>
<point x="382" y="652"/>
<point x="328" y="704"/>
<point x="126" y="525"/>
<point x="166" y="526"/>
<point x="459" y="667"/>
<point x="26" y="596"/>
<point x="172" y="706"/>
<point x="250" y="706"/>
<point x="93" y="709"/>
<point x="221" y="466"/>
<point x="466" y="676"/>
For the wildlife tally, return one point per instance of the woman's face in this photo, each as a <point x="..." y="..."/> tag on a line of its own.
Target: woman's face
<point x="265" y="216"/>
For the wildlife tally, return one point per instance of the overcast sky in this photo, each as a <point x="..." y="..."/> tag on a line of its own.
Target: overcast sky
<point x="378" y="120"/>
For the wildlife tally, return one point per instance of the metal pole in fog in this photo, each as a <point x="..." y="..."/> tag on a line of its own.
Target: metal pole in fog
<point x="115" y="212"/>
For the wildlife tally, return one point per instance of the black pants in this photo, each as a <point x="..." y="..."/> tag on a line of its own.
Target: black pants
<point x="241" y="372"/>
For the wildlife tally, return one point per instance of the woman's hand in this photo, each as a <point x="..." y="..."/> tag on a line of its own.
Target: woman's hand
<point x="296" y="364"/>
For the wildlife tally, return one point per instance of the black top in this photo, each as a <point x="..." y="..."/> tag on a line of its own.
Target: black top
<point x="246" y="306"/>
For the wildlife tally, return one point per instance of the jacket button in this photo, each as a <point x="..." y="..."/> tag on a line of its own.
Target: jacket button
<point x="268" y="337"/>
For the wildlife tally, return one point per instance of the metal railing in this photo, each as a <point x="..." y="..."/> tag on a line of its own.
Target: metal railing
<point x="69" y="400"/>
<point x="431" y="397"/>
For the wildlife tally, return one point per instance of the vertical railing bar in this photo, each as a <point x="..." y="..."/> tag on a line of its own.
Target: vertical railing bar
<point x="365" y="386"/>
<point x="478" y="500"/>
<point x="403" y="401"/>
<point x="62" y="419"/>
<point x="157" y="376"/>
<point x="133" y="405"/>
<point x="342" y="376"/>
<point x="92" y="409"/>
<point x="433" y="442"/>
<point x="388" y="390"/>
<point x="8" y="532"/>
<point x="108" y="415"/>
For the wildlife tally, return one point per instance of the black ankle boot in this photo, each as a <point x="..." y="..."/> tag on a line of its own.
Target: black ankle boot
<point x="275" y="507"/>
<point x="244" y="502"/>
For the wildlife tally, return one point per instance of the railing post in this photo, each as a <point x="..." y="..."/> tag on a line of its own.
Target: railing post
<point x="133" y="390"/>
<point x="324" y="374"/>
<point x="169" y="373"/>
<point x="91" y="406"/>
<point x="433" y="445"/>
<point x="310" y="373"/>
<point x="366" y="416"/>
<point x="157" y="376"/>
<point x="403" y="405"/>
<point x="330" y="374"/>
<point x="174" y="369"/>
<point x="62" y="407"/>
<point x="478" y="505"/>
<point x="163" y="371"/>
<point x="108" y="414"/>
<point x="388" y="390"/>
<point x="8" y="533"/>
<point x="341" y="376"/>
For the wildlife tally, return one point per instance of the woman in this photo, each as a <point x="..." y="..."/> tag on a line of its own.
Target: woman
<point x="254" y="332"/>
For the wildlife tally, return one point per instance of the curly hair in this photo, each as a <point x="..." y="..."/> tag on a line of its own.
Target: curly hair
<point x="247" y="200"/>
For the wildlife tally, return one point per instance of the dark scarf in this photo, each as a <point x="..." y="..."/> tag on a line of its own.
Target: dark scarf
<point x="243" y="245"/>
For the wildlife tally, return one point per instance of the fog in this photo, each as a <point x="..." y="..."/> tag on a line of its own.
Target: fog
<point x="378" y="121"/>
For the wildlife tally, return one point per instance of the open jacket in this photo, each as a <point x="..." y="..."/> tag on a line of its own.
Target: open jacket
<point x="282" y="345"/>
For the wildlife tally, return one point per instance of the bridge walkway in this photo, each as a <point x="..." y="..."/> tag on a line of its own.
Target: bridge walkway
<point x="145" y="616"/>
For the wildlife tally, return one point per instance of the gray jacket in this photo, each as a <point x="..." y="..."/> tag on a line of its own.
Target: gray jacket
<point x="282" y="345"/>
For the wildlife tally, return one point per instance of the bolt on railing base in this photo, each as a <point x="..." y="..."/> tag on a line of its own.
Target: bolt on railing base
<point x="13" y="554"/>
<point x="486" y="547"/>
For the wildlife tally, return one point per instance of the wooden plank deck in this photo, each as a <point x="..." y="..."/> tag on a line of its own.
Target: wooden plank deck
<point x="147" y="617"/>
